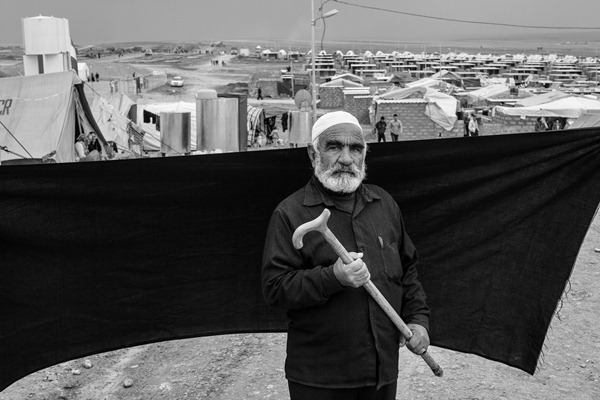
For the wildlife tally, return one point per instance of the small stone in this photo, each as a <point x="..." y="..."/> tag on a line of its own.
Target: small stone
<point x="87" y="364"/>
<point x="128" y="382"/>
<point x="582" y="365"/>
<point x="76" y="372"/>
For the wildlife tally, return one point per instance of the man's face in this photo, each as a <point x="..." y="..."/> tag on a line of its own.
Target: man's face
<point x="339" y="159"/>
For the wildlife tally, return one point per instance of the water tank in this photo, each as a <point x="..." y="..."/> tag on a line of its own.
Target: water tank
<point x="175" y="133"/>
<point x="217" y="124"/>
<point x="300" y="127"/>
<point x="46" y="35"/>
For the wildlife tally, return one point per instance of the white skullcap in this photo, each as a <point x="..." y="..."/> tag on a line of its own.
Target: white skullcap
<point x="330" y="119"/>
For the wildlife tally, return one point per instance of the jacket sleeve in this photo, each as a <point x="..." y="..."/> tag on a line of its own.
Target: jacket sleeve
<point x="287" y="281"/>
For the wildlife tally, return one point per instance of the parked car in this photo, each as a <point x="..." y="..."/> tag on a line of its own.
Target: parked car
<point x="177" y="81"/>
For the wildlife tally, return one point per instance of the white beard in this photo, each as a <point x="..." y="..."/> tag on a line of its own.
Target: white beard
<point x="345" y="182"/>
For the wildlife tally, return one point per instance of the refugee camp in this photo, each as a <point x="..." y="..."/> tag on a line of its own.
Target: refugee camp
<point x="313" y="199"/>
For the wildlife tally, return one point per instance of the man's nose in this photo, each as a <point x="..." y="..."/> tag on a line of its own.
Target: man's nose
<point x="345" y="157"/>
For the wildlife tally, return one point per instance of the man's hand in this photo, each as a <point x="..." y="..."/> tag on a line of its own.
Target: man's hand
<point x="354" y="274"/>
<point x="419" y="342"/>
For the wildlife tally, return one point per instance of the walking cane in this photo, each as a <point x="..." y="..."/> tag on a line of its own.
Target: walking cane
<point x="320" y="224"/>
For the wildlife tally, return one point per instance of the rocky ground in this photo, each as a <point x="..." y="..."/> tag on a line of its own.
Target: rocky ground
<point x="251" y="366"/>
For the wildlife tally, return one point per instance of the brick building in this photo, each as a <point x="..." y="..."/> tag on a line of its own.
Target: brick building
<point x="412" y="113"/>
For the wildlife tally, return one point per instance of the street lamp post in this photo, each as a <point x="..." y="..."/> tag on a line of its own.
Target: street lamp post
<point x="313" y="23"/>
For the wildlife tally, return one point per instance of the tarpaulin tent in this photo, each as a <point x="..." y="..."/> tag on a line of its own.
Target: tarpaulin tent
<point x="438" y="81"/>
<point x="567" y="107"/>
<point x="441" y="108"/>
<point x="480" y="96"/>
<point x="43" y="113"/>
<point x="255" y="123"/>
<point x="541" y="98"/>
<point x="114" y="124"/>
<point x="586" y="121"/>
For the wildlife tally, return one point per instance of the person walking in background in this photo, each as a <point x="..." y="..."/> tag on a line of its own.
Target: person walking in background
<point x="97" y="77"/>
<point x="380" y="128"/>
<point x="541" y="125"/>
<point x="259" y="95"/>
<point x="466" y="119"/>
<point x="284" y="121"/>
<point x="473" y="126"/>
<point x="395" y="128"/>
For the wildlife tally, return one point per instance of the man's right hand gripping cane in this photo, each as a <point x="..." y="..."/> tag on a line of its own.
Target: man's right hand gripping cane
<point x="355" y="275"/>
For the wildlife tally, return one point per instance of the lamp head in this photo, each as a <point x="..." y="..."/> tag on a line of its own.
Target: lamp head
<point x="330" y="13"/>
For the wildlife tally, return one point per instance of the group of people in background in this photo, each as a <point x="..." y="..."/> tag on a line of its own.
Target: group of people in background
<point x="88" y="148"/>
<point x="395" y="128"/>
<point x="94" y="77"/>
<point x="550" y="124"/>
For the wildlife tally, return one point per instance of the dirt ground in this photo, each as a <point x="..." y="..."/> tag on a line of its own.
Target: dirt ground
<point x="251" y="366"/>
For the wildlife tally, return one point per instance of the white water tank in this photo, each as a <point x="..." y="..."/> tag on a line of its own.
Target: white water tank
<point x="46" y="35"/>
<point x="47" y="45"/>
<point x="175" y="133"/>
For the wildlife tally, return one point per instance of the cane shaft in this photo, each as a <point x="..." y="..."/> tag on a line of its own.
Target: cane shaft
<point x="380" y="299"/>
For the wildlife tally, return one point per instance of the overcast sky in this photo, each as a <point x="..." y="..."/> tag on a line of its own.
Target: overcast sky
<point x="111" y="21"/>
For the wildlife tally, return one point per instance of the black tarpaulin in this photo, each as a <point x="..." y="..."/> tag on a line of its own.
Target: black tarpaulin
<point x="100" y="256"/>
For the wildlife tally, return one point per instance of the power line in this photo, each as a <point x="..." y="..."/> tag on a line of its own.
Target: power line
<point x="463" y="21"/>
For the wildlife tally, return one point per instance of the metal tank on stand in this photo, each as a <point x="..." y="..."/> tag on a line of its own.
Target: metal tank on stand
<point x="217" y="122"/>
<point x="300" y="127"/>
<point x="175" y="133"/>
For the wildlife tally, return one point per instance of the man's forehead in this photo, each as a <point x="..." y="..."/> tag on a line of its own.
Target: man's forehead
<point x="342" y="133"/>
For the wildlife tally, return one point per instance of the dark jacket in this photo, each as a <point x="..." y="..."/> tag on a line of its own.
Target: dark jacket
<point x="380" y="127"/>
<point x="338" y="337"/>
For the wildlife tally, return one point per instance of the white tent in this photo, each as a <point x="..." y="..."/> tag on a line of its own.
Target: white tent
<point x="541" y="98"/>
<point x="586" y="121"/>
<point x="488" y="92"/>
<point x="40" y="114"/>
<point x="113" y="121"/>
<point x="568" y="107"/>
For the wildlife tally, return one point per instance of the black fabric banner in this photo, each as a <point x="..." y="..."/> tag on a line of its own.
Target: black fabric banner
<point x="100" y="256"/>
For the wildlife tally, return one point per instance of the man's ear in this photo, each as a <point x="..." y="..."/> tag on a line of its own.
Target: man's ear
<point x="311" y="154"/>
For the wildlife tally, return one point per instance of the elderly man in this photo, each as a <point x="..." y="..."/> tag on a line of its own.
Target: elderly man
<point x="341" y="345"/>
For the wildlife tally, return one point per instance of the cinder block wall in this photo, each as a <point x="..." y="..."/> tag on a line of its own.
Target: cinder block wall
<point x="414" y="120"/>
<point x="514" y="124"/>
<point x="358" y="106"/>
<point x="331" y="97"/>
